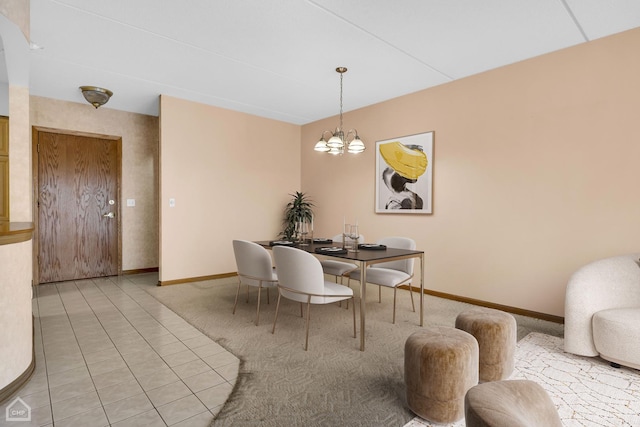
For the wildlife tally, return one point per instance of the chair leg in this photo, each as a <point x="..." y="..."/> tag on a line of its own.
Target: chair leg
<point x="258" y="310"/>
<point x="413" y="306"/>
<point x="394" y="305"/>
<point x="301" y="315"/>
<point x="267" y="295"/>
<point x="379" y="294"/>
<point x="348" y="285"/>
<point x="236" y="302"/>
<point x="306" y="340"/>
<point x="353" y="303"/>
<point x="276" y="316"/>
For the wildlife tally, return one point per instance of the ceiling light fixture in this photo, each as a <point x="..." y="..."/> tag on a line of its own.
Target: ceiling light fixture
<point x="339" y="140"/>
<point x="96" y="96"/>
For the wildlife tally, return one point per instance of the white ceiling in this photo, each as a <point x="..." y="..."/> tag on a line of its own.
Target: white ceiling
<point x="277" y="58"/>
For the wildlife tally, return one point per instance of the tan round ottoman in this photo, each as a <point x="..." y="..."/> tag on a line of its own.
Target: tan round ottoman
<point x="440" y="365"/>
<point x="496" y="332"/>
<point x="521" y="403"/>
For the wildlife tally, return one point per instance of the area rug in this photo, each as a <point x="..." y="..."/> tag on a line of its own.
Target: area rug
<point x="333" y="383"/>
<point x="586" y="390"/>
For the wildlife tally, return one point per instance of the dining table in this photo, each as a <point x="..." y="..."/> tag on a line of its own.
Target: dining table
<point x="364" y="257"/>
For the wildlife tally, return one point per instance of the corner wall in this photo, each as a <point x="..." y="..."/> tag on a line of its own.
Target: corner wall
<point x="535" y="173"/>
<point x="230" y="175"/>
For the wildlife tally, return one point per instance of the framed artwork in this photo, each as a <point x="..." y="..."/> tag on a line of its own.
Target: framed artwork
<point x="404" y="174"/>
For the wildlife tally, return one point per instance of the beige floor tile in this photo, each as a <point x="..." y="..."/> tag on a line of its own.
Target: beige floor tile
<point x="204" y="381"/>
<point x="74" y="406"/>
<point x="35" y="384"/>
<point x="198" y="341"/>
<point x="146" y="356"/>
<point x="108" y="365"/>
<point x="70" y="376"/>
<point x="191" y="368"/>
<point x="146" y="368"/>
<point x="158" y="379"/>
<point x="181" y="409"/>
<point x="209" y="349"/>
<point x="203" y="419"/>
<point x="167" y="349"/>
<point x="119" y="391"/>
<point x="98" y="356"/>
<point x="112" y="378"/>
<point x="168" y="393"/>
<point x="74" y="389"/>
<point x="229" y="372"/>
<point x="133" y="347"/>
<point x="162" y="340"/>
<point x="220" y="359"/>
<point x="146" y="419"/>
<point x="94" y="334"/>
<point x="215" y="396"/>
<point x="180" y="358"/>
<point x="34" y="400"/>
<point x="94" y="418"/>
<point x="127" y="408"/>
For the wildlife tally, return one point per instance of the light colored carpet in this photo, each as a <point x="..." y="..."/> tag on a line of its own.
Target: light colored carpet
<point x="587" y="391"/>
<point x="331" y="384"/>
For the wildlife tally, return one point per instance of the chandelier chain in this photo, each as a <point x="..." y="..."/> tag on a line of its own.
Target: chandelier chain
<point x="341" y="75"/>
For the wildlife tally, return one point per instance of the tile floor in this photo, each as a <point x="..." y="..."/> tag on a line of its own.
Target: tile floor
<point x="109" y="354"/>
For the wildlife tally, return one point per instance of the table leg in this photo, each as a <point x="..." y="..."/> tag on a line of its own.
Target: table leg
<point x="363" y="299"/>
<point x="421" y="289"/>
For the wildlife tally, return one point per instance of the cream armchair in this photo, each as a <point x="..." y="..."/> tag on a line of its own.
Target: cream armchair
<point x="602" y="310"/>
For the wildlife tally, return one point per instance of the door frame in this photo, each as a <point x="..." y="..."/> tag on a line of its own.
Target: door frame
<point x="35" y="140"/>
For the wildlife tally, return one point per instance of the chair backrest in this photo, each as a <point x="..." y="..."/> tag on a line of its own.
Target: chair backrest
<point x="298" y="270"/>
<point x="253" y="262"/>
<point x="405" y="265"/>
<point x="338" y="238"/>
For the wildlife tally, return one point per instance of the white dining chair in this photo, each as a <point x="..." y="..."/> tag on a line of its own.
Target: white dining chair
<point x="393" y="273"/>
<point x="255" y="269"/>
<point x="301" y="279"/>
<point x="339" y="269"/>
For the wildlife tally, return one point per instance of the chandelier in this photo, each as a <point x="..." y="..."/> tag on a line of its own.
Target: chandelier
<point x="338" y="140"/>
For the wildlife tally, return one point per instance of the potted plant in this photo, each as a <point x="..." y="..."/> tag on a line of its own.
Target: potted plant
<point x="298" y="209"/>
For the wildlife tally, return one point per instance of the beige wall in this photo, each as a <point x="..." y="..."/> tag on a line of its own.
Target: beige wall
<point x="230" y="175"/>
<point x="139" y="168"/>
<point x="16" y="350"/>
<point x="535" y="173"/>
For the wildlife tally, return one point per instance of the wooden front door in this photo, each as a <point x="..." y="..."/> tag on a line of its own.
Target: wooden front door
<point x="77" y="205"/>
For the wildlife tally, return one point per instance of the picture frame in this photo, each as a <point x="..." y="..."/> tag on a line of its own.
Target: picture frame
<point x="404" y="174"/>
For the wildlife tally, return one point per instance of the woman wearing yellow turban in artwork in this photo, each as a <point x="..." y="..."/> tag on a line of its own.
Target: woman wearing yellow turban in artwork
<point x="406" y="164"/>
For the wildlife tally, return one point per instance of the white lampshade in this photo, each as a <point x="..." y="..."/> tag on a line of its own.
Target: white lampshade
<point x="321" y="146"/>
<point x="335" y="142"/>
<point x="356" y="146"/>
<point x="335" y="151"/>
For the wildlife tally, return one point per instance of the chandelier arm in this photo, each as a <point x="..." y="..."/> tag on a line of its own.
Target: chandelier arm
<point x="325" y="132"/>
<point x="352" y="132"/>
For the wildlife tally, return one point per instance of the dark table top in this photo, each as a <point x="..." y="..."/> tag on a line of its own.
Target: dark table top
<point x="362" y="254"/>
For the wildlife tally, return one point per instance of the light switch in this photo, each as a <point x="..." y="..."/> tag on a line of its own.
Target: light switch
<point x="131" y="202"/>
<point x="172" y="202"/>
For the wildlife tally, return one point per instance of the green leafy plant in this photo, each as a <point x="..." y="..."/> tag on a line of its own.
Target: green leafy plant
<point x="298" y="209"/>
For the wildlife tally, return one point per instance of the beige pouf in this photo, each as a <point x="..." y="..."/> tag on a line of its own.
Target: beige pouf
<point x="440" y="365"/>
<point x="514" y="403"/>
<point x="496" y="332"/>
